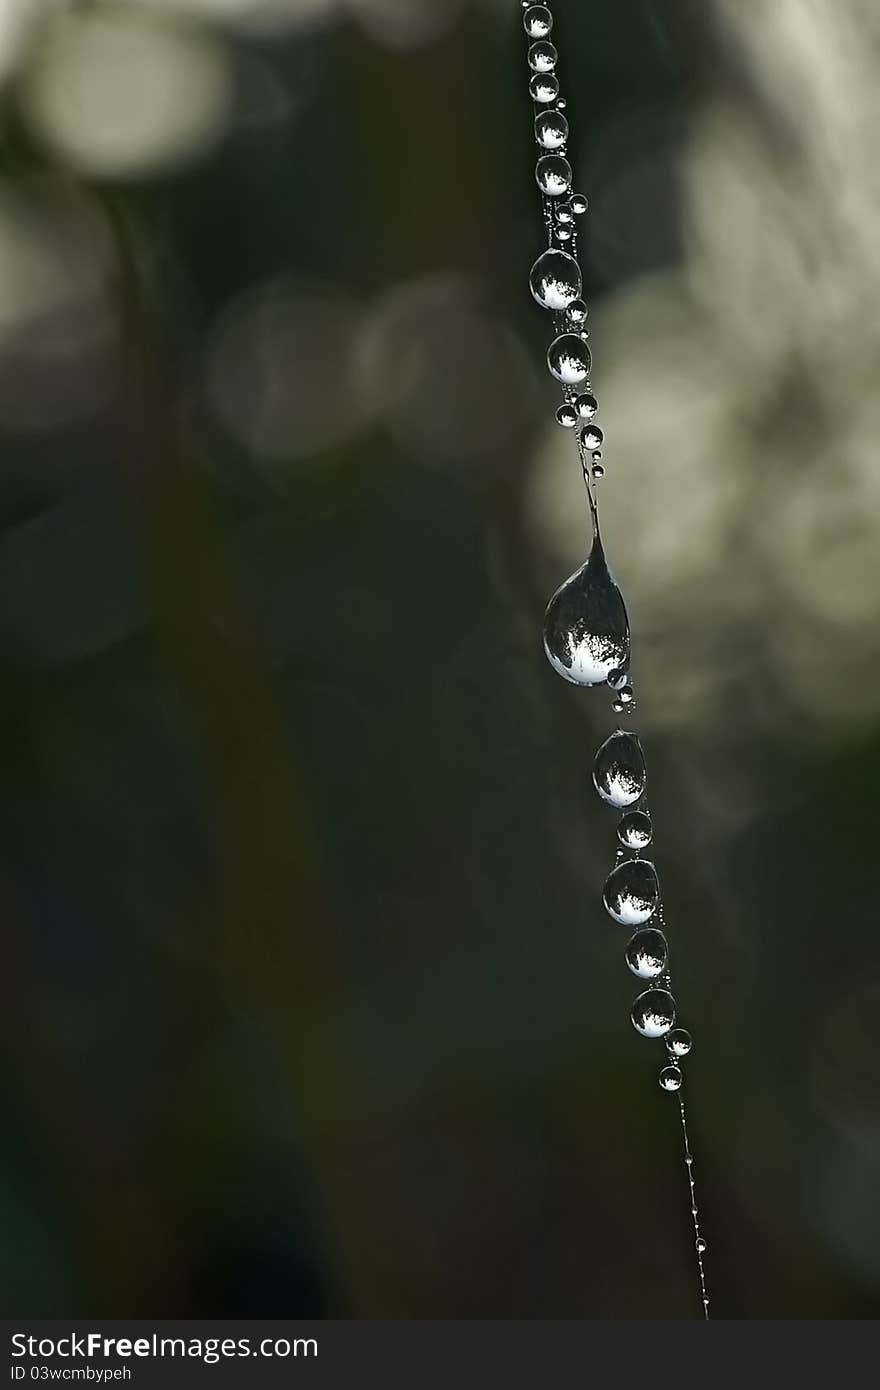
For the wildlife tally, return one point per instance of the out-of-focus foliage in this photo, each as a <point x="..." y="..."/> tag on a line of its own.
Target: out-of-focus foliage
<point x="310" y="1004"/>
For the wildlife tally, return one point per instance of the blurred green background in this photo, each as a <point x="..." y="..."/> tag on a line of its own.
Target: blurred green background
<point x="310" y="1006"/>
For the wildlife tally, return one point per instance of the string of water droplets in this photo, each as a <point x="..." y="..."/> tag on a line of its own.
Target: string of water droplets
<point x="586" y="628"/>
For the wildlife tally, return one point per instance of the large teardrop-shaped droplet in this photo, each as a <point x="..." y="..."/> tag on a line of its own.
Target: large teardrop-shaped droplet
<point x="653" y="1013"/>
<point x="586" y="630"/>
<point x="619" y="772"/>
<point x="647" y="954"/>
<point x="555" y="280"/>
<point x="631" y="892"/>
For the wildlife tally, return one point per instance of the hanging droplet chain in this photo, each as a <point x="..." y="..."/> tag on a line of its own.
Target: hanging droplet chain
<point x="586" y="628"/>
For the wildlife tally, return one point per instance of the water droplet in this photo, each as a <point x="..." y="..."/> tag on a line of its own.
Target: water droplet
<point x="544" y="86"/>
<point x="563" y="233"/>
<point x="702" y="1247"/>
<point x="653" y="1013"/>
<point x="618" y="709"/>
<point x="564" y="213"/>
<point x="562" y="103"/>
<point x="631" y="892"/>
<point x="599" y="474"/>
<point x="616" y="679"/>
<point x="670" y="1079"/>
<point x="577" y="311"/>
<point x="566" y="416"/>
<point x="679" y="1042"/>
<point x="586" y="406"/>
<point x="542" y="56"/>
<point x="551" y="130"/>
<point x="579" y="204"/>
<point x="619" y="773"/>
<point x="537" y="21"/>
<point x="627" y="694"/>
<point x="634" y="830"/>
<point x="591" y="437"/>
<point x="586" y="630"/>
<point x="553" y="173"/>
<point x="555" y="280"/>
<point x="569" y="358"/>
<point x="647" y="953"/>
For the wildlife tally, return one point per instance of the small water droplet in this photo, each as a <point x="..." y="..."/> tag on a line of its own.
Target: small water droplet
<point x="586" y="630"/>
<point x="653" y="1013"/>
<point x="537" y="21"/>
<point x="591" y="437"/>
<point x="577" y="311"/>
<point x="555" y="280"/>
<point x="616" y="679"/>
<point x="564" y="213"/>
<point x="631" y="892"/>
<point x="671" y="1079"/>
<point x="599" y="474"/>
<point x="562" y="103"/>
<point x="702" y="1247"/>
<point x="553" y="174"/>
<point x="566" y="416"/>
<point x="586" y="406"/>
<point x="542" y="56"/>
<point x="679" y="1042"/>
<point x="617" y="707"/>
<point x="579" y="204"/>
<point x="563" y="233"/>
<point x="627" y="694"/>
<point x="619" y="773"/>
<point x="551" y="130"/>
<point x="544" y="87"/>
<point x="634" y="830"/>
<point x="569" y="358"/>
<point x="647" y="953"/>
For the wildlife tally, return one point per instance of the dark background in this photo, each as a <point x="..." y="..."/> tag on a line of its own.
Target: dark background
<point x="310" y="1006"/>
